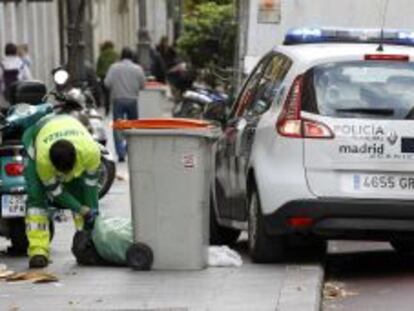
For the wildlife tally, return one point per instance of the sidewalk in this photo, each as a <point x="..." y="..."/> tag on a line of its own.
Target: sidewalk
<point x="251" y="287"/>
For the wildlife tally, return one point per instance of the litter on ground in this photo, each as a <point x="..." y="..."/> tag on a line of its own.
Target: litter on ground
<point x="223" y="256"/>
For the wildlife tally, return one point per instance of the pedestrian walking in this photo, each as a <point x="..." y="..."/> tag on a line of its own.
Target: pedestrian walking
<point x="107" y="57"/>
<point x="62" y="166"/>
<point x="12" y="69"/>
<point x="167" y="52"/>
<point x="124" y="80"/>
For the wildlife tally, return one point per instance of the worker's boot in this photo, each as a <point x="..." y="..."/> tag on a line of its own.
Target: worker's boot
<point x="38" y="261"/>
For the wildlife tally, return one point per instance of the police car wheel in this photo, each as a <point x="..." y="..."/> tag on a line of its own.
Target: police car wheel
<point x="263" y="248"/>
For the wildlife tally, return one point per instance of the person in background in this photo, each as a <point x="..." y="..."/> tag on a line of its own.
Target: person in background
<point x="107" y="57"/>
<point x="167" y="53"/>
<point x="90" y="80"/>
<point x="157" y="66"/>
<point x="23" y="52"/>
<point x="12" y="70"/>
<point x="124" y="80"/>
<point x="177" y="75"/>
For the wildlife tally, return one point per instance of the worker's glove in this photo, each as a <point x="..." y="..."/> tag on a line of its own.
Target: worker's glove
<point x="89" y="216"/>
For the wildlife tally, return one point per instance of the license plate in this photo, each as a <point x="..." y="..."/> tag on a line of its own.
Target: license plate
<point x="380" y="183"/>
<point x="13" y="205"/>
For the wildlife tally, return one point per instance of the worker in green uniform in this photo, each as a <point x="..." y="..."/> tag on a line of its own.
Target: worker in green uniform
<point x="62" y="167"/>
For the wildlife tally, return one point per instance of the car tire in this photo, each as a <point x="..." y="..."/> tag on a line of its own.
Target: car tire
<point x="262" y="247"/>
<point x="220" y="235"/>
<point x="404" y="246"/>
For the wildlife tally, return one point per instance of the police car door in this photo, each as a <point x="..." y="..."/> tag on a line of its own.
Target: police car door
<point x="230" y="184"/>
<point x="268" y="89"/>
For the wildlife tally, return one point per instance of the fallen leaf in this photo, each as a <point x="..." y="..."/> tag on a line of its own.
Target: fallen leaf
<point x="333" y="291"/>
<point x="5" y="274"/>
<point x="33" y="276"/>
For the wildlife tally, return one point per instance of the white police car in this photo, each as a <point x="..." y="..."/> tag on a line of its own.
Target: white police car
<point x="320" y="145"/>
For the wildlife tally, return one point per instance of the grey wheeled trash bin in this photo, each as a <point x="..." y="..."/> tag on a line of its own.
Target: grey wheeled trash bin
<point x="170" y="166"/>
<point x="153" y="101"/>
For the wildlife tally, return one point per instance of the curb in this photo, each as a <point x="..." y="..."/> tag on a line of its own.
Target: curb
<point x="302" y="288"/>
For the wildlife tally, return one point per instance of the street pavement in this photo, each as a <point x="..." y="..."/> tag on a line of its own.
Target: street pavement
<point x="368" y="276"/>
<point x="251" y="287"/>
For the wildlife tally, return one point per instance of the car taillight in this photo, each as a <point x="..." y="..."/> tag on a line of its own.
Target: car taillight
<point x="300" y="222"/>
<point x="291" y="124"/>
<point x="14" y="169"/>
<point x="314" y="129"/>
<point x="387" y="57"/>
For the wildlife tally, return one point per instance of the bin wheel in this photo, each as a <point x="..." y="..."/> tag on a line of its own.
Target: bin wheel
<point x="139" y="257"/>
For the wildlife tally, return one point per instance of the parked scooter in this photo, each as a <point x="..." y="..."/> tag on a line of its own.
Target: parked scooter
<point x="201" y="103"/>
<point x="13" y="185"/>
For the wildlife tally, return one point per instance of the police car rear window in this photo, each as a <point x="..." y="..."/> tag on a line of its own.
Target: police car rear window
<point x="363" y="89"/>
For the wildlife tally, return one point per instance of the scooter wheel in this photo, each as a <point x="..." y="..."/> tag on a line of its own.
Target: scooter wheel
<point x="140" y="257"/>
<point x="107" y="174"/>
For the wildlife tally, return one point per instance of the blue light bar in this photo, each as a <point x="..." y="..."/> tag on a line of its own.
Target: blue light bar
<point x="348" y="35"/>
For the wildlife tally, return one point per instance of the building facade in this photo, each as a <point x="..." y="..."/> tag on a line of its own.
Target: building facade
<point x="42" y="26"/>
<point x="263" y="23"/>
<point x="34" y="24"/>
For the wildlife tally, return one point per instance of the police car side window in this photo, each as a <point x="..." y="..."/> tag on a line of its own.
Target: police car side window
<point x="269" y="86"/>
<point x="248" y="94"/>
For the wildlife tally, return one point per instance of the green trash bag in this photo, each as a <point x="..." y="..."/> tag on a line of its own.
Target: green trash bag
<point x="111" y="243"/>
<point x="112" y="237"/>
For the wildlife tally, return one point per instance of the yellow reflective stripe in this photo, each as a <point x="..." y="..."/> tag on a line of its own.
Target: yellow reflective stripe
<point x="41" y="219"/>
<point x="50" y="182"/>
<point x="31" y="151"/>
<point x="91" y="182"/>
<point x="56" y="191"/>
<point x="36" y="227"/>
<point x="33" y="211"/>
<point x="91" y="173"/>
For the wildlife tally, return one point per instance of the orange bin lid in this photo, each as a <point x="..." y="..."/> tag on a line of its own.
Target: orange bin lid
<point x="163" y="123"/>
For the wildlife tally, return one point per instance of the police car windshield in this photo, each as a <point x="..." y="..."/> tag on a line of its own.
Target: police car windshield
<point x="363" y="89"/>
